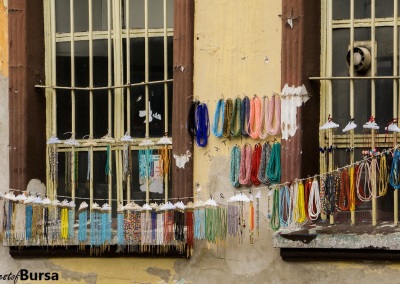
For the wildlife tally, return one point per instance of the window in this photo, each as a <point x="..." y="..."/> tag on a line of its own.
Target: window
<point x="365" y="90"/>
<point x="108" y="75"/>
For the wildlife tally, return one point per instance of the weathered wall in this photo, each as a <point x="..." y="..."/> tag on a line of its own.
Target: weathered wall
<point x="237" y="51"/>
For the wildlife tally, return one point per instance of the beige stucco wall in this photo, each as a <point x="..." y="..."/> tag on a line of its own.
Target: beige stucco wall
<point x="237" y="51"/>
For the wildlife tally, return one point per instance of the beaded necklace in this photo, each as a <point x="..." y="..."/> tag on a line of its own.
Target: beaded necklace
<point x="189" y="227"/>
<point x="245" y="115"/>
<point x="19" y="222"/>
<point x="191" y="124"/>
<point x="352" y="195"/>
<point x="82" y="234"/>
<point x="95" y="230"/>
<point x="245" y="165"/>
<point x="274" y="221"/>
<point x="219" y="118"/>
<point x="300" y="204"/>
<point x="394" y="177"/>
<point x="37" y="222"/>
<point x="314" y="202"/>
<point x="274" y="164"/>
<point x="383" y="175"/>
<point x="202" y="125"/>
<point x="254" y="120"/>
<point x="264" y="160"/>
<point x="329" y="194"/>
<point x="105" y="226"/>
<point x="264" y="118"/>
<point x="251" y="221"/>
<point x="179" y="218"/>
<point x="255" y="164"/>
<point x="274" y="115"/>
<point x="364" y="170"/>
<point x="307" y="192"/>
<point x="71" y="222"/>
<point x="64" y="223"/>
<point x="236" y="120"/>
<point x="285" y="214"/>
<point x="199" y="223"/>
<point x="120" y="229"/>
<point x="28" y="221"/>
<point x="227" y="118"/>
<point x="344" y="193"/>
<point x="233" y="219"/>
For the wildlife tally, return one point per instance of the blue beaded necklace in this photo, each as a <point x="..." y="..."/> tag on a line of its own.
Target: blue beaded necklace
<point x="219" y="118"/>
<point x="202" y="125"/>
<point x="245" y="116"/>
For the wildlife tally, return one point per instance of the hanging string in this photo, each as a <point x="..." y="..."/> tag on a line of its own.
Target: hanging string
<point x="120" y="229"/>
<point x="227" y="118"/>
<point x="274" y="115"/>
<point x="202" y="125"/>
<point x="352" y="195"/>
<point x="190" y="229"/>
<point x="245" y="165"/>
<point x="71" y="222"/>
<point x="242" y="222"/>
<point x="255" y="164"/>
<point x="88" y="170"/>
<point x="233" y="219"/>
<point x="38" y="223"/>
<point x="68" y="171"/>
<point x="274" y="164"/>
<point x="76" y="169"/>
<point x="82" y="229"/>
<point x="264" y="160"/>
<point x="314" y="201"/>
<point x="105" y="227"/>
<point x="179" y="219"/>
<point x="245" y="116"/>
<point x="95" y="230"/>
<point x="19" y="222"/>
<point x="199" y="223"/>
<point x="274" y="221"/>
<point x="264" y="118"/>
<point x="329" y="199"/>
<point x="219" y="118"/>
<point x="107" y="169"/>
<point x="191" y="122"/>
<point x="254" y="120"/>
<point x="236" y="120"/>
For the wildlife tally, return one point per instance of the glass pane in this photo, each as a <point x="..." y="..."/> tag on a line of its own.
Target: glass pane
<point x="64" y="119"/>
<point x="362" y="103"/>
<point x="81" y="15"/>
<point x="341" y="102"/>
<point x="156" y="14"/>
<point x="63" y="64"/>
<point x="82" y="113"/>
<point x="136" y="14"/>
<point x="100" y="15"/>
<point x="170" y="13"/>
<point x="137" y="60"/>
<point x="138" y="126"/>
<point x="362" y="9"/>
<point x="384" y="39"/>
<point x="362" y="34"/>
<point x="100" y="63"/>
<point x="82" y="63"/>
<point x="63" y="16"/>
<point x="156" y="58"/>
<point x="341" y="39"/>
<point x="383" y="8"/>
<point x="341" y="9"/>
<point x="100" y="113"/>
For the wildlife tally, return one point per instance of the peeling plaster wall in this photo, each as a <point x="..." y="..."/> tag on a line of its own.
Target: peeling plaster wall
<point x="237" y="50"/>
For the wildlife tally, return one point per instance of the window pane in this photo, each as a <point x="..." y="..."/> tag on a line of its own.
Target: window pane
<point x="63" y="64"/>
<point x="341" y="103"/>
<point x="100" y="15"/>
<point x="136" y="14"/>
<point x="81" y="15"/>
<point x="362" y="9"/>
<point x="63" y="16"/>
<point x="156" y="58"/>
<point x="100" y="63"/>
<point x="100" y="113"/>
<point x="157" y="114"/>
<point x="384" y="39"/>
<point x="362" y="103"/>
<point x="137" y="60"/>
<point x="341" y="9"/>
<point x="63" y="113"/>
<point x="170" y="13"/>
<point x="383" y="8"/>
<point x="82" y="113"/>
<point x="82" y="63"/>
<point x="341" y="39"/>
<point x="156" y="14"/>
<point x="138" y="126"/>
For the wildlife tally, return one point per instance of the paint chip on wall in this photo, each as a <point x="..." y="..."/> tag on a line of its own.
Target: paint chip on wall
<point x="182" y="159"/>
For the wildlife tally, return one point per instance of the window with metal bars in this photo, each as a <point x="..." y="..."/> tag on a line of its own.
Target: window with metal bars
<point x="108" y="76"/>
<point x="359" y="80"/>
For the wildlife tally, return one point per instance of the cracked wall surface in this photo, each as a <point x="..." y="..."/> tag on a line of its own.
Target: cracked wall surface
<point x="237" y="51"/>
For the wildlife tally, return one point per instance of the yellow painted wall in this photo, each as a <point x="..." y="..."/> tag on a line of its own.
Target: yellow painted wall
<point x="237" y="52"/>
<point x="3" y="38"/>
